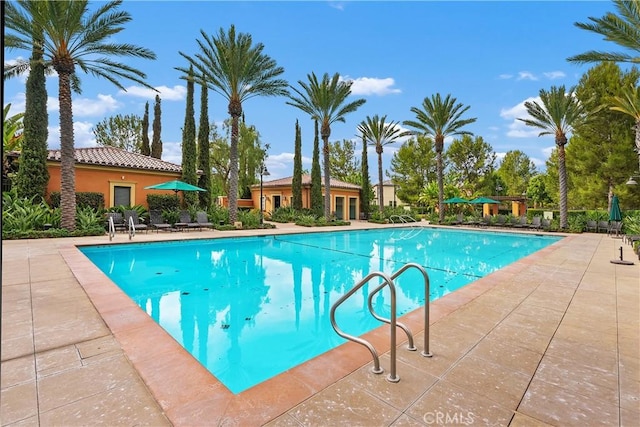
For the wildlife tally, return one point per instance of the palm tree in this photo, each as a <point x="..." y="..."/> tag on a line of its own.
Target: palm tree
<point x="438" y="119"/>
<point x="622" y="29"/>
<point x="559" y="113"/>
<point x="231" y="65"/>
<point x="75" y="38"/>
<point x="629" y="103"/>
<point x="325" y="102"/>
<point x="378" y="133"/>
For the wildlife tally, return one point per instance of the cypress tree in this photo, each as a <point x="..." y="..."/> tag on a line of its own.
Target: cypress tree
<point x="365" y="201"/>
<point x="317" y="201"/>
<point x="33" y="175"/>
<point x="156" y="142"/>
<point x="204" y="181"/>
<point x="296" y="181"/>
<point x="189" y="144"/>
<point x="145" y="148"/>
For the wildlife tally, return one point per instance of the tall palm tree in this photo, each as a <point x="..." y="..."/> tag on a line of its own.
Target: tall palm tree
<point x="325" y="101"/>
<point x="622" y="29"/>
<point x="558" y="114"/>
<point x="629" y="103"/>
<point x="438" y="119"/>
<point x="236" y="68"/>
<point x="377" y="133"/>
<point x="75" y="37"/>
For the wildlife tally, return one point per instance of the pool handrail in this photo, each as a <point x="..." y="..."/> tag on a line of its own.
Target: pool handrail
<point x="392" y="377"/>
<point x="410" y="345"/>
<point x="427" y="289"/>
<point x="112" y="228"/>
<point x="132" y="228"/>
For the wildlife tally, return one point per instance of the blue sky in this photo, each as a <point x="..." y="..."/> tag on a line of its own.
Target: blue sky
<point x="491" y="56"/>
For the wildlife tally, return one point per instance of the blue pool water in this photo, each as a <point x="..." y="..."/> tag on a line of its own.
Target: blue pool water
<point x="251" y="308"/>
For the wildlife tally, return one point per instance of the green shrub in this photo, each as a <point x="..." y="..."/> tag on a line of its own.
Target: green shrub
<point x="22" y="214"/>
<point x="250" y="219"/>
<point x="83" y="199"/>
<point x="88" y="218"/>
<point x="218" y="215"/>
<point x="162" y="202"/>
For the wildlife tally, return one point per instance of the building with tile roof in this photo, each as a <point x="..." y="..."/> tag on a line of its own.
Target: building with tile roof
<point x="345" y="197"/>
<point x="118" y="174"/>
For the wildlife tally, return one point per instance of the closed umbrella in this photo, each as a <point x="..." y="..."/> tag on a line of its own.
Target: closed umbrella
<point x="615" y="214"/>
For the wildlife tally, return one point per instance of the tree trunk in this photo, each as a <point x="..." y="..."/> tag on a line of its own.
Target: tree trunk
<point x="562" y="177"/>
<point x="380" y="188"/>
<point x="440" y="186"/>
<point x="637" y="129"/>
<point x="67" y="167"/>
<point x="327" y="178"/>
<point x="233" y="170"/>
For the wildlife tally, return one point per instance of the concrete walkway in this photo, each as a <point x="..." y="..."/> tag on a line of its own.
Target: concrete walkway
<point x="553" y="339"/>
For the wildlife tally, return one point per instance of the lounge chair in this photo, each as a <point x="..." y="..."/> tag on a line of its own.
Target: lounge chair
<point x="203" y="220"/>
<point x="535" y="223"/>
<point x="521" y="223"/>
<point x="592" y="225"/>
<point x="118" y="221"/>
<point x="186" y="222"/>
<point x="603" y="226"/>
<point x="137" y="224"/>
<point x="615" y="228"/>
<point x="157" y="222"/>
<point x="545" y="224"/>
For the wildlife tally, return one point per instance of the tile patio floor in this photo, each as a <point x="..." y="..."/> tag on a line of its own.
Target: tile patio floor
<point x="552" y="339"/>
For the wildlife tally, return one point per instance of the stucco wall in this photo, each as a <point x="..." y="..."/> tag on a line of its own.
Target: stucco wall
<point x="102" y="180"/>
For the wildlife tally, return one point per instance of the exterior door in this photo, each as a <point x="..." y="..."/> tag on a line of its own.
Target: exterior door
<point x="340" y="208"/>
<point x="353" y="208"/>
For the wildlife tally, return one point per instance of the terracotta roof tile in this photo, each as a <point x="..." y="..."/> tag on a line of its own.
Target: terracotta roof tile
<point x="117" y="157"/>
<point x="306" y="180"/>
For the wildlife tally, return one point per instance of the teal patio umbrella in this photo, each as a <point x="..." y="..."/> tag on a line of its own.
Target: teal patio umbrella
<point x="483" y="200"/>
<point x="175" y="186"/>
<point x="456" y="200"/>
<point x="615" y="214"/>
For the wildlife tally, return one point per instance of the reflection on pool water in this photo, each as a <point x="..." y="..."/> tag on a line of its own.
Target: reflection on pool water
<point x="251" y="308"/>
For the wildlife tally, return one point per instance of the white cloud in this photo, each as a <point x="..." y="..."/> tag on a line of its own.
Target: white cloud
<point x="85" y="107"/>
<point x="337" y="5"/>
<point x="526" y="75"/>
<point x="505" y="76"/>
<point x="172" y="152"/>
<point x="82" y="136"/>
<point x="517" y="129"/>
<point x="372" y="86"/>
<point x="499" y="157"/>
<point x="176" y="93"/>
<point x="547" y="150"/>
<point x="552" y="75"/>
<point x="538" y="162"/>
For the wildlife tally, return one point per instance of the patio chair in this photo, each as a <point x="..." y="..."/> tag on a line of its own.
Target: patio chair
<point x="157" y="222"/>
<point x="603" y="226"/>
<point x="186" y="222"/>
<point x="615" y="228"/>
<point x="521" y="223"/>
<point x="203" y="220"/>
<point x="592" y="225"/>
<point x="118" y="221"/>
<point x="535" y="223"/>
<point x="545" y="224"/>
<point x="137" y="224"/>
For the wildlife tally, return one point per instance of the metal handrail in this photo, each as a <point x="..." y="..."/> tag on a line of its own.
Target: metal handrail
<point x="410" y="345"/>
<point x="427" y="286"/>
<point x="112" y="229"/>
<point x="392" y="377"/>
<point x="399" y="217"/>
<point x="132" y="228"/>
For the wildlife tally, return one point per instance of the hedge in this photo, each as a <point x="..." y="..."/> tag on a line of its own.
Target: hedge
<point x="83" y="199"/>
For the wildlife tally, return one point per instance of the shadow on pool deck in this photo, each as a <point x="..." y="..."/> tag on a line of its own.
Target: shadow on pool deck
<point x="552" y="338"/>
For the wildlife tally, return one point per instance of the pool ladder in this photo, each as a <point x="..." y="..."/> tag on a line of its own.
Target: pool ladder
<point x="392" y="321"/>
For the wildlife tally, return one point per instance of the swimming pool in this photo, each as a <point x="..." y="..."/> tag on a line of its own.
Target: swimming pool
<point x="253" y="307"/>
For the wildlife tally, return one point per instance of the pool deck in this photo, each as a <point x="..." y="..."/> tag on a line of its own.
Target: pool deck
<point x="553" y="339"/>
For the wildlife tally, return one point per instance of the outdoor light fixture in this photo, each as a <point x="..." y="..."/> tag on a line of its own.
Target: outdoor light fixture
<point x="633" y="181"/>
<point x="263" y="172"/>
